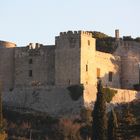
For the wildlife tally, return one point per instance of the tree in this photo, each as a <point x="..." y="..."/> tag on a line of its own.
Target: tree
<point x="99" y="125"/>
<point x="112" y="126"/>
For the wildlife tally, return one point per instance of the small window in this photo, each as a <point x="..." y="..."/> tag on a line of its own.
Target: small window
<point x="88" y="42"/>
<point x="110" y="75"/>
<point x="69" y="81"/>
<point x="30" y="73"/>
<point x="98" y="73"/>
<point x="30" y="61"/>
<point x="86" y="67"/>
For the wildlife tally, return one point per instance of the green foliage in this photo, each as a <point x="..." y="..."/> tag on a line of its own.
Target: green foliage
<point x="86" y="131"/>
<point x="127" y="122"/>
<point x="137" y="39"/>
<point x="98" y="35"/>
<point x="136" y="87"/>
<point x="99" y="116"/>
<point x="109" y="94"/>
<point x="76" y="91"/>
<point x="112" y="126"/>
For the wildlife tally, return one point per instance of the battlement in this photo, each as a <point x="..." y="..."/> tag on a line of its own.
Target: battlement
<point x="70" y="33"/>
<point x="129" y="43"/>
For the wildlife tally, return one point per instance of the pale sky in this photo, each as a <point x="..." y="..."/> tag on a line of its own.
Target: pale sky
<point x="25" y="21"/>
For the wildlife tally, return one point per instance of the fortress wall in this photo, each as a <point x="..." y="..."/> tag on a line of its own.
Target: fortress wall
<point x="7" y="68"/>
<point x="49" y="99"/>
<point x="42" y="66"/>
<point x="57" y="101"/>
<point x="67" y="59"/>
<point x="108" y="63"/>
<point x="125" y="96"/>
<point x="122" y="96"/>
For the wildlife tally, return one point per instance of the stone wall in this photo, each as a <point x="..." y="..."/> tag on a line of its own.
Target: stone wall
<point x="57" y="101"/>
<point x="125" y="96"/>
<point x="7" y="68"/>
<point x="52" y="100"/>
<point x="34" y="66"/>
<point x="122" y="96"/>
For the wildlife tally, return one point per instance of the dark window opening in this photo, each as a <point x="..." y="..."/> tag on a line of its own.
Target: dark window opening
<point x="69" y="82"/>
<point x="86" y="67"/>
<point x="88" y="42"/>
<point x="30" y="61"/>
<point x="110" y="76"/>
<point x="30" y="73"/>
<point x="98" y="73"/>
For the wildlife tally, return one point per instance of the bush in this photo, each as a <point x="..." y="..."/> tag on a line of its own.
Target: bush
<point x="137" y="87"/>
<point x="86" y="115"/>
<point x="76" y="91"/>
<point x="109" y="94"/>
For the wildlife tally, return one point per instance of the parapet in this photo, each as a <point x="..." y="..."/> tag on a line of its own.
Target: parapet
<point x="73" y="33"/>
<point x="129" y="43"/>
<point x="7" y="44"/>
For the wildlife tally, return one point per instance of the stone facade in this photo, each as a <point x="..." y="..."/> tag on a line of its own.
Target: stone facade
<point x="34" y="66"/>
<point x="72" y="60"/>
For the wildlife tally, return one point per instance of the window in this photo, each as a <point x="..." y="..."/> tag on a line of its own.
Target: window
<point x="86" y="67"/>
<point x="69" y="81"/>
<point x="30" y="61"/>
<point x="98" y="72"/>
<point x="30" y="73"/>
<point x="110" y="75"/>
<point x="88" y="42"/>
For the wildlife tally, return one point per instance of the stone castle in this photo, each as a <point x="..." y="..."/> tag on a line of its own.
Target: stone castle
<point x="72" y="60"/>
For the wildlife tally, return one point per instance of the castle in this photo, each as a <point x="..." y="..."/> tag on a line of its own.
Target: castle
<point x="72" y="60"/>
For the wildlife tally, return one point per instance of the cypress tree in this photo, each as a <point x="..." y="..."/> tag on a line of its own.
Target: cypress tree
<point x="112" y="126"/>
<point x="99" y="125"/>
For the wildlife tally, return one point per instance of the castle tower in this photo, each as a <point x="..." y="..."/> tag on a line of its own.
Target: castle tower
<point x="117" y="36"/>
<point x="7" y="50"/>
<point x="74" y="55"/>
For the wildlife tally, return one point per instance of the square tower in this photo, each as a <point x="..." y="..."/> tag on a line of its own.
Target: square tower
<point x="74" y="55"/>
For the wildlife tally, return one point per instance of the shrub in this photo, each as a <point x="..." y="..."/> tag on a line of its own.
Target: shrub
<point x="136" y="87"/>
<point x="76" y="91"/>
<point x="86" y="115"/>
<point x="109" y="94"/>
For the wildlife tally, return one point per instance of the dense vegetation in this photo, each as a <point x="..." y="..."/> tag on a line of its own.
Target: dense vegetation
<point x="107" y="43"/>
<point x="109" y="94"/>
<point x="75" y="91"/>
